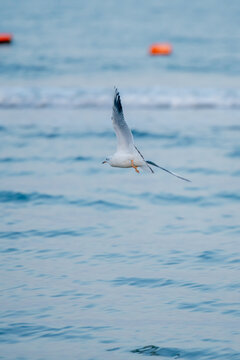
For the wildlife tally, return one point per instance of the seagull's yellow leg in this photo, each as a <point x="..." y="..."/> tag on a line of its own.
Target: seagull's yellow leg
<point x="134" y="167"/>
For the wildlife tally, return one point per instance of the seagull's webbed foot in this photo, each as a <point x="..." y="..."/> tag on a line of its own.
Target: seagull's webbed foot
<point x="134" y="167"/>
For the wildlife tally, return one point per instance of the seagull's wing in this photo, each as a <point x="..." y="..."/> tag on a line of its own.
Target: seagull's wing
<point x="168" y="171"/>
<point x="123" y="133"/>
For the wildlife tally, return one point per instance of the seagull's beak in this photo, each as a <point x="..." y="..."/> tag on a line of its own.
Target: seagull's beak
<point x="104" y="162"/>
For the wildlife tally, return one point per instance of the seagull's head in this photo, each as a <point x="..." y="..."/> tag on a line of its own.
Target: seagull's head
<point x="106" y="161"/>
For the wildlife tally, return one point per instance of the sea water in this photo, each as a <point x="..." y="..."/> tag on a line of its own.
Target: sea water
<point x="104" y="263"/>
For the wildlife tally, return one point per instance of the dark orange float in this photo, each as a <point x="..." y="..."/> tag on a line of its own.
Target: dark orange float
<point x="5" y="38"/>
<point x="160" y="49"/>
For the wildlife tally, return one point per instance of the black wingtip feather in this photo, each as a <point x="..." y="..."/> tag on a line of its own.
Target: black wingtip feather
<point x="117" y="100"/>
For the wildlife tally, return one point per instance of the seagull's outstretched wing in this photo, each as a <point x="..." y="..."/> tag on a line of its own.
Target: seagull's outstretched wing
<point x="170" y="172"/>
<point x="123" y="133"/>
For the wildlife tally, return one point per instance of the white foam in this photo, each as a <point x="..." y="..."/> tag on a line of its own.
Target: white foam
<point x="144" y="98"/>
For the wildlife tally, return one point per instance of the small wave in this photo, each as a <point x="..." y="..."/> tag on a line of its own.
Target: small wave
<point x="163" y="98"/>
<point x="228" y="196"/>
<point x="212" y="256"/>
<point x="107" y="204"/>
<point x="158" y="282"/>
<point x="193" y="354"/>
<point x="39" y="199"/>
<point x="11" y="196"/>
<point x="22" y="68"/>
<point x="114" y="349"/>
<point x="235" y="154"/>
<point x="152" y="350"/>
<point x="196" y="286"/>
<point x="17" y="330"/>
<point x="82" y="158"/>
<point x="146" y="134"/>
<point x="11" y="159"/>
<point x="143" y="282"/>
<point x="8" y="250"/>
<point x="14" y="332"/>
<point x="42" y="234"/>
<point x="68" y="135"/>
<point x="205" y="171"/>
<point x="176" y="199"/>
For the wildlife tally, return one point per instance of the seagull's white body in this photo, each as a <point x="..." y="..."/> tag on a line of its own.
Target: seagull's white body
<point x="124" y="160"/>
<point x="127" y="154"/>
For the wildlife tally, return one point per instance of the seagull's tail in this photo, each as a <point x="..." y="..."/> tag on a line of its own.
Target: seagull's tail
<point x="170" y="172"/>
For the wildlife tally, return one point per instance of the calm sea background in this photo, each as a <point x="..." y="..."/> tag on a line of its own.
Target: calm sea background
<point x="98" y="262"/>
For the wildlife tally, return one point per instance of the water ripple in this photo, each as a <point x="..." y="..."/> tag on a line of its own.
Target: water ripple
<point x="228" y="196"/>
<point x="12" y="196"/>
<point x="176" y="353"/>
<point x="44" y="234"/>
<point x="11" y="159"/>
<point x="44" y="159"/>
<point x="159" y="282"/>
<point x="8" y="250"/>
<point x="211" y="256"/>
<point x="143" y="282"/>
<point x="235" y="153"/>
<point x="40" y="199"/>
<point x="67" y="135"/>
<point x="82" y="158"/>
<point x="169" y="198"/>
<point x="15" y="331"/>
<point x="148" y="134"/>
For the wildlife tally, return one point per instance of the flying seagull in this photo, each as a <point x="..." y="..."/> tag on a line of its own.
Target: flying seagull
<point x="127" y="154"/>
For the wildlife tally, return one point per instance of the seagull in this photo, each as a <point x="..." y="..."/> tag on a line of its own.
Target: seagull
<point x="127" y="154"/>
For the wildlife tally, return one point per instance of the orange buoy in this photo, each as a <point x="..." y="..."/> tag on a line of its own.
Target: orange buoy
<point x="5" y="38"/>
<point x="160" y="49"/>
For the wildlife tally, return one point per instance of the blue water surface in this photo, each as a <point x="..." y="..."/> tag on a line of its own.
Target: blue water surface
<point x="104" y="263"/>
